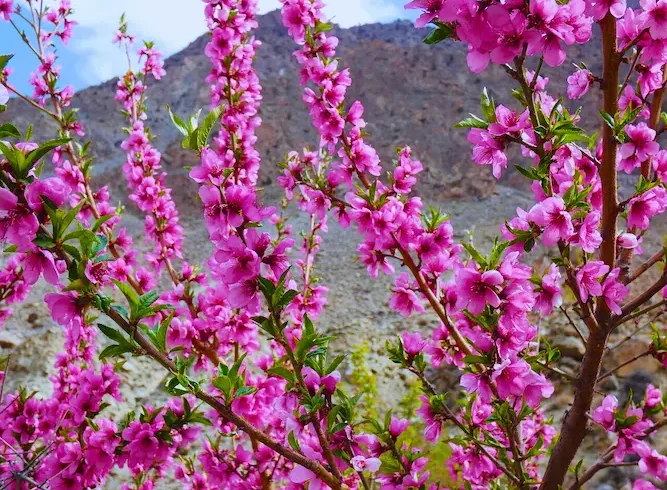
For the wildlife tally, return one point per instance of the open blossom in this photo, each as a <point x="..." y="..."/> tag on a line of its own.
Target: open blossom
<point x="578" y="83"/>
<point x="18" y="225"/>
<point x="588" y="234"/>
<point x="639" y="147"/>
<point x="550" y="296"/>
<point x="645" y="206"/>
<point x="361" y="463"/>
<point x="432" y="10"/>
<point x="477" y="289"/>
<point x="604" y="414"/>
<point x="588" y="279"/>
<point x="488" y="151"/>
<point x="655" y="17"/>
<point x="515" y="378"/>
<point x="613" y="291"/>
<point x="552" y="216"/>
<point x="63" y="307"/>
<point x="599" y="8"/>
<point x="404" y="299"/>
<point x="4" y="95"/>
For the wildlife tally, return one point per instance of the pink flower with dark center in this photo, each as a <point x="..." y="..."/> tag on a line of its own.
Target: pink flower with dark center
<point x="477" y="289"/>
<point x="63" y="307"/>
<point x="404" y="299"/>
<point x="614" y="291"/>
<point x="361" y="463"/>
<point x="18" y="225"/>
<point x="507" y="122"/>
<point x="655" y="17"/>
<point x="588" y="279"/>
<point x="6" y="10"/>
<point x="551" y="295"/>
<point x="488" y="151"/>
<point x="432" y="10"/>
<point x="588" y="234"/>
<point x="640" y="146"/>
<point x="644" y="207"/>
<point x="555" y="220"/>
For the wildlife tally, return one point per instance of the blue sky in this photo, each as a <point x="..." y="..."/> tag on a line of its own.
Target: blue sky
<point x="91" y="58"/>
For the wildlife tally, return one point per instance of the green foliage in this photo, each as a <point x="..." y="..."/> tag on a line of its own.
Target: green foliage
<point x="363" y="380"/>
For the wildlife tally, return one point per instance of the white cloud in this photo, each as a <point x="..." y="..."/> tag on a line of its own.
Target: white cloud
<point x="172" y="24"/>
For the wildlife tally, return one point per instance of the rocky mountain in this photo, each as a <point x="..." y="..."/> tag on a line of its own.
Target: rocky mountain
<point x="413" y="94"/>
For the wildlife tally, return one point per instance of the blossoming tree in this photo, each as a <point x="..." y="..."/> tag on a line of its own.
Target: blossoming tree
<point x="256" y="399"/>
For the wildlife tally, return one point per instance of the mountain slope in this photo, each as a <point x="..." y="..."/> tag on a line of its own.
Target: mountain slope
<point x="413" y="94"/>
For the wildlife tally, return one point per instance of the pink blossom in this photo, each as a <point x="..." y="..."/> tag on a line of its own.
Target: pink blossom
<point x="627" y="241"/>
<point x="640" y="484"/>
<point x="18" y="224"/>
<point x="588" y="234"/>
<point x="614" y="291"/>
<point x="63" y="307"/>
<point x="361" y="463"/>
<point x="604" y="414"/>
<point x="550" y="296"/>
<point x="588" y="279"/>
<point x="645" y="206"/>
<point x="404" y="299"/>
<point x="38" y="263"/>
<point x="488" y="151"/>
<point x="477" y="289"/>
<point x="412" y="343"/>
<point x="6" y="10"/>
<point x="397" y="426"/>
<point x="655" y="17"/>
<point x="432" y="419"/>
<point x="552" y="216"/>
<point x="599" y="8"/>
<point x="579" y="82"/>
<point x="639" y="147"/>
<point x="432" y="10"/>
<point x="653" y="396"/>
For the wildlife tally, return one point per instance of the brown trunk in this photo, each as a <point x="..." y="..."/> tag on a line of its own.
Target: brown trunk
<point x="574" y="424"/>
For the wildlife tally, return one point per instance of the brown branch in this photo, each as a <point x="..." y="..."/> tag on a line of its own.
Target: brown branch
<point x="623" y="364"/>
<point x="574" y="423"/>
<point x="226" y="412"/>
<point x="654" y="259"/>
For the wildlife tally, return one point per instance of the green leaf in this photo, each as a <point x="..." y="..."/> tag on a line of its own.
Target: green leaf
<point x="245" y="391"/>
<point x="148" y="299"/>
<point x="291" y="438"/>
<point x="115" y="351"/>
<point x="101" y="242"/>
<point x="207" y="126"/>
<point x="608" y="119"/>
<point x="44" y="149"/>
<point x="9" y="130"/>
<point x="476" y="256"/>
<point x="103" y="219"/>
<point x="112" y="333"/>
<point x="488" y="106"/>
<point x="472" y="122"/>
<point x="4" y="59"/>
<point x="129" y="293"/>
<point x="439" y="34"/>
<point x="180" y="124"/>
<point x="282" y="372"/>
